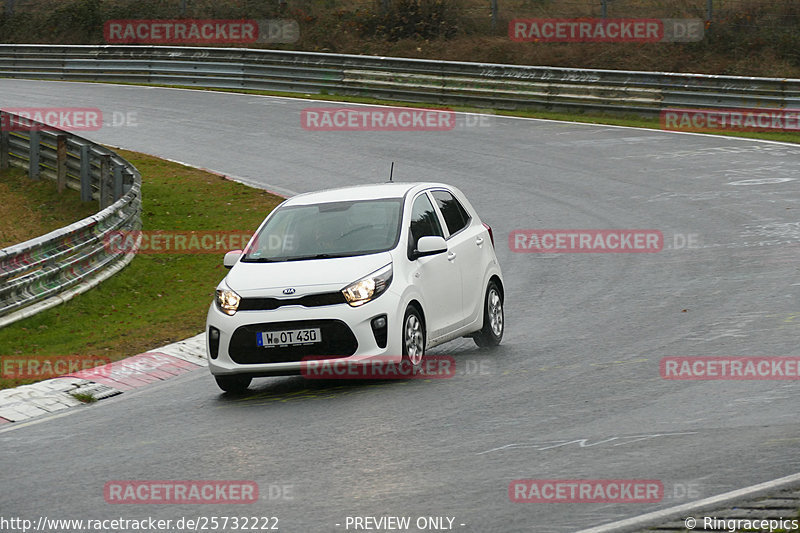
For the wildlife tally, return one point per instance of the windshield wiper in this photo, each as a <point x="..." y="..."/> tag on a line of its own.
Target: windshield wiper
<point x="318" y="256"/>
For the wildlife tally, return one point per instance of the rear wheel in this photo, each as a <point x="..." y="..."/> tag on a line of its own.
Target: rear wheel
<point x="233" y="383"/>
<point x="493" y="318"/>
<point x="413" y="337"/>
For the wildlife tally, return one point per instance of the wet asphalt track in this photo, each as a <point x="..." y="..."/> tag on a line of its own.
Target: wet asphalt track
<point x="574" y="392"/>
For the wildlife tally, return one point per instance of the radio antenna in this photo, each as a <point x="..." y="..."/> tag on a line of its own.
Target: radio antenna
<point x="391" y="172"/>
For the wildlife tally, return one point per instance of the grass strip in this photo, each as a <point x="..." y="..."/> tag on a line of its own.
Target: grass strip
<point x="32" y="208"/>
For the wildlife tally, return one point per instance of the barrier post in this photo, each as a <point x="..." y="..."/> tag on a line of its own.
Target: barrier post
<point x="3" y="143"/>
<point x="117" y="182"/>
<point x="34" y="152"/>
<point x="86" y="174"/>
<point x="61" y="162"/>
<point x="105" y="170"/>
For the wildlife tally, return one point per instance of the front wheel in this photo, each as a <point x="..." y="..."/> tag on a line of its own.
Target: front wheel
<point x="413" y="337"/>
<point x="233" y="384"/>
<point x="493" y="318"/>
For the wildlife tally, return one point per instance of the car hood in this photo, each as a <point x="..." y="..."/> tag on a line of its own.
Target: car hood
<point x="305" y="277"/>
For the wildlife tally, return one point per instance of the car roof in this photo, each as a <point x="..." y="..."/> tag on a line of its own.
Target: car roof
<point x="362" y="192"/>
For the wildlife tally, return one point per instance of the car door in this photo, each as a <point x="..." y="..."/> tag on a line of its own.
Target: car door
<point x="467" y="241"/>
<point x="438" y="276"/>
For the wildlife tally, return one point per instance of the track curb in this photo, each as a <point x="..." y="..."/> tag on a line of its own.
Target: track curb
<point x="55" y="394"/>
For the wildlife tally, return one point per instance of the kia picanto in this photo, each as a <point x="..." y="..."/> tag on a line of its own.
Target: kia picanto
<point x="373" y="271"/>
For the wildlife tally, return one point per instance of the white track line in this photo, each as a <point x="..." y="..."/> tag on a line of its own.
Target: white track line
<point x="681" y="511"/>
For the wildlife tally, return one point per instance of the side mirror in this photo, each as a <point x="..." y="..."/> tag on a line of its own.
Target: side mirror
<point x="231" y="258"/>
<point x="430" y="246"/>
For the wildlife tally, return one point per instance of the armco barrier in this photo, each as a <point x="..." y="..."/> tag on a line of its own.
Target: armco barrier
<point x="45" y="271"/>
<point x="415" y="80"/>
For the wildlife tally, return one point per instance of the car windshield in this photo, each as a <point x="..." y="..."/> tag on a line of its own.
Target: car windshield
<point x="334" y="229"/>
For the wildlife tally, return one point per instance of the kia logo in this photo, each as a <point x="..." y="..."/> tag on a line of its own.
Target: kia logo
<point x="288" y="291"/>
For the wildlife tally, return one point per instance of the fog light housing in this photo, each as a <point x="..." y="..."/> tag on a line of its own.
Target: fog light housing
<point x="213" y="342"/>
<point x="379" y="330"/>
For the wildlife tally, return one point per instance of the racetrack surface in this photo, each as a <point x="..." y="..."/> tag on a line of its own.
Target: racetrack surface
<point x="574" y="391"/>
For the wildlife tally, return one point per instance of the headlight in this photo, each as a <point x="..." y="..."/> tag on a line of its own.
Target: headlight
<point x="228" y="301"/>
<point x="369" y="287"/>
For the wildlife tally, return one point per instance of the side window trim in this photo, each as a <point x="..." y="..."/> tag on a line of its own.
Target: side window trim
<point x="445" y="227"/>
<point x="439" y="215"/>
<point x="432" y="202"/>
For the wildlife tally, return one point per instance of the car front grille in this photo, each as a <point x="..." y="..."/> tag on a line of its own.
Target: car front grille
<point x="337" y="341"/>
<point x="312" y="300"/>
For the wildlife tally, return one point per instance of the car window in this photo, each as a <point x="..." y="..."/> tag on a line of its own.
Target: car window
<point x="424" y="221"/>
<point x="455" y="216"/>
<point x="335" y="229"/>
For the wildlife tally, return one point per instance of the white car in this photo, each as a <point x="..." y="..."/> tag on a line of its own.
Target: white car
<point x="373" y="271"/>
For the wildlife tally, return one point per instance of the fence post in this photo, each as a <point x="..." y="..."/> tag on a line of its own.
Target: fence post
<point x="494" y="14"/>
<point x="4" y="148"/>
<point x="61" y="162"/>
<point x="105" y="169"/>
<point x="10" y="8"/>
<point x="183" y="8"/>
<point x="86" y="174"/>
<point x="117" y="182"/>
<point x="709" y="10"/>
<point x="385" y="5"/>
<point x="34" y="152"/>
<point x="604" y="5"/>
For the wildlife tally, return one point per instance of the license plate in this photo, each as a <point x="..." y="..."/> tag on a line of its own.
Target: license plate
<point x="289" y="337"/>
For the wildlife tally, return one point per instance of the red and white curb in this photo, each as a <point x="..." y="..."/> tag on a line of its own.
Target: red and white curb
<point x="115" y="378"/>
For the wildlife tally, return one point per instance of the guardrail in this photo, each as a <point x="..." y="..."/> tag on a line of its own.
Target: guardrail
<point x="48" y="270"/>
<point x="415" y="80"/>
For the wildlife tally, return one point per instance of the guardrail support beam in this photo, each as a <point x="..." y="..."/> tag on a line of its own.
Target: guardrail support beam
<point x="3" y="145"/>
<point x="35" y="152"/>
<point x="105" y="177"/>
<point x="86" y="174"/>
<point x="117" y="182"/>
<point x="61" y="163"/>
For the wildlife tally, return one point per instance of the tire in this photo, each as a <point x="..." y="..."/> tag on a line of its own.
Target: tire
<point x="233" y="384"/>
<point x="493" y="318"/>
<point x="413" y="337"/>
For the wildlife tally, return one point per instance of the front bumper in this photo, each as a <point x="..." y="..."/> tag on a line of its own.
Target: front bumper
<point x="347" y="335"/>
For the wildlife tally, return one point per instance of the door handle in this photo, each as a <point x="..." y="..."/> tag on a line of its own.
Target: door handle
<point x="451" y="256"/>
<point x="479" y="241"/>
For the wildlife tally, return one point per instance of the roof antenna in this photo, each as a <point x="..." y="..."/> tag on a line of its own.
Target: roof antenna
<point x="391" y="172"/>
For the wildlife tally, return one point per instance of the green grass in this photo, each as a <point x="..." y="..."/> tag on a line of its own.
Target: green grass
<point x="84" y="397"/>
<point x="32" y="208"/>
<point x="158" y="298"/>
